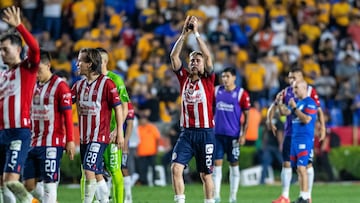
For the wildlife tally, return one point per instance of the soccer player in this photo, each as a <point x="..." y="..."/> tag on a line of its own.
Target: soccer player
<point x="197" y="96"/>
<point x="16" y="91"/>
<point x="96" y="96"/>
<point x="302" y="142"/>
<point x="128" y="127"/>
<point x="283" y="97"/>
<point x="113" y="155"/>
<point x="50" y="113"/>
<point x="231" y="102"/>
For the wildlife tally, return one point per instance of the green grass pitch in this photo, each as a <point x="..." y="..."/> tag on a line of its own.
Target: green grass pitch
<point x="322" y="193"/>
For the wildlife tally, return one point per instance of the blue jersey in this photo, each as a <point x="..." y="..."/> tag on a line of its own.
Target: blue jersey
<point x="302" y="130"/>
<point x="229" y="107"/>
<point x="287" y="95"/>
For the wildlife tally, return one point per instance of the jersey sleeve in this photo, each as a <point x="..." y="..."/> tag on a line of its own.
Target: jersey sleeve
<point x="131" y="112"/>
<point x="181" y="74"/>
<point x="120" y="85"/>
<point x="245" y="100"/>
<point x="310" y="108"/>
<point x="64" y="96"/>
<point x="315" y="97"/>
<point x="33" y="54"/>
<point x="65" y="104"/>
<point x="112" y="95"/>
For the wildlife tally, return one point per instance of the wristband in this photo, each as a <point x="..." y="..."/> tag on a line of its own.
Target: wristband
<point x="197" y="34"/>
<point x="294" y="109"/>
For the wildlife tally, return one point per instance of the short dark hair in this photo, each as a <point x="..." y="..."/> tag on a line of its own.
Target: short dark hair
<point x="296" y="69"/>
<point x="93" y="56"/>
<point x="15" y="39"/>
<point x="45" y="56"/>
<point x="230" y="70"/>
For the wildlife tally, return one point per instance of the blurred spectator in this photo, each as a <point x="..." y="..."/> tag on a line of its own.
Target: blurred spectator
<point x="322" y="150"/>
<point x="340" y="12"/>
<point x="240" y="31"/>
<point x="265" y="39"/>
<point x="233" y="10"/>
<point x="346" y="70"/>
<point x="323" y="12"/>
<point x="149" y="138"/>
<point x="354" y="28"/>
<point x="311" y="69"/>
<point x="255" y="14"/>
<point x="344" y="99"/>
<point x="210" y="9"/>
<point x="32" y="10"/>
<point x="271" y="148"/>
<point x="52" y="17"/>
<point x="252" y="132"/>
<point x="115" y="21"/>
<point x="326" y="87"/>
<point x="326" y="55"/>
<point x="82" y="12"/>
<point x="255" y="79"/>
<point x="272" y="84"/>
<point x="65" y="43"/>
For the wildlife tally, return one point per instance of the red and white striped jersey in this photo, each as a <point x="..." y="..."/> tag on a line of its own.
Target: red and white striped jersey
<point x="17" y="85"/>
<point x="94" y="103"/>
<point x="197" y="98"/>
<point x="50" y="101"/>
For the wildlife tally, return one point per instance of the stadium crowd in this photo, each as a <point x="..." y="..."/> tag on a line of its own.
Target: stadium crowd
<point x="261" y="39"/>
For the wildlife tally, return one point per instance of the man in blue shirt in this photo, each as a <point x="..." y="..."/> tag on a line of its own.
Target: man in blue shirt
<point x="303" y="113"/>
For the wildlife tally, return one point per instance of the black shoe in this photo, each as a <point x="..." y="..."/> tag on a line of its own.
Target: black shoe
<point x="301" y="200"/>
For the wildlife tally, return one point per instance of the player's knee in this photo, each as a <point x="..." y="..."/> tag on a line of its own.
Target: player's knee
<point x="177" y="169"/>
<point x="29" y="185"/>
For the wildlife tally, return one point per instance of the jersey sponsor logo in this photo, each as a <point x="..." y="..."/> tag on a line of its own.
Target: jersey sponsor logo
<point x="89" y="108"/>
<point x="41" y="112"/>
<point x="302" y="146"/>
<point x="15" y="145"/>
<point x="222" y="106"/>
<point x="95" y="147"/>
<point x="51" y="153"/>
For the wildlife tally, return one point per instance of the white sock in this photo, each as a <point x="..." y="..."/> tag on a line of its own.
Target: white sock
<point x="50" y="192"/>
<point x="311" y="174"/>
<point x="234" y="178"/>
<point x="217" y="176"/>
<point x="9" y="197"/>
<point x="179" y="198"/>
<point x="305" y="195"/>
<point x="127" y="187"/>
<point x="20" y="192"/>
<point x="102" y="192"/>
<point x="209" y="201"/>
<point x="90" y="188"/>
<point x="286" y="174"/>
<point x="38" y="192"/>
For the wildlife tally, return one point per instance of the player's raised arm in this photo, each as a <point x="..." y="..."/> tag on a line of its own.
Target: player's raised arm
<point x="176" y="50"/>
<point x="203" y="47"/>
<point x="12" y="16"/>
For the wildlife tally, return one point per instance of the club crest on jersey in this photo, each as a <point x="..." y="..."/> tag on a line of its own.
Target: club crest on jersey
<point x="36" y="98"/>
<point x="86" y="96"/>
